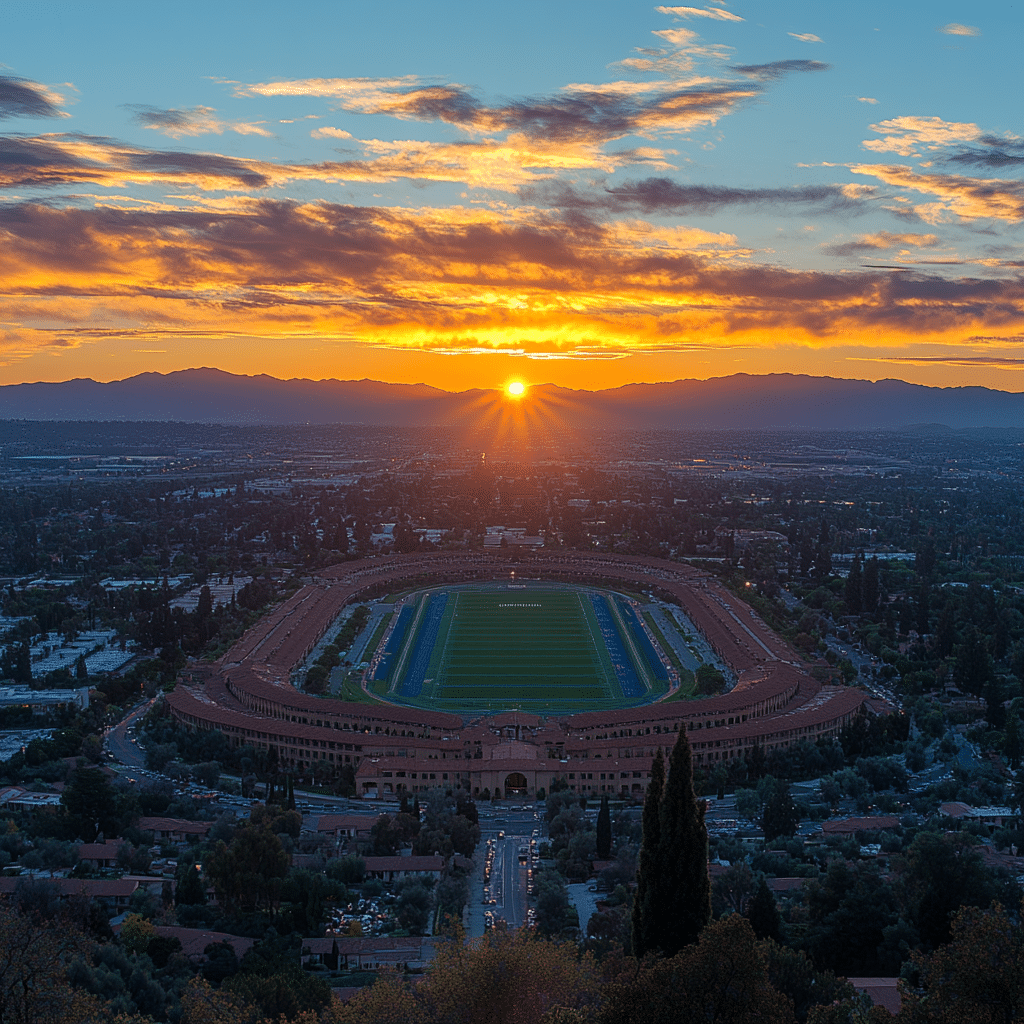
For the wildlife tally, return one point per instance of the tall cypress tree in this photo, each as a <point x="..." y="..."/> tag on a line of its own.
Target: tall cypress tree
<point x="677" y="887"/>
<point x="647" y="862"/>
<point x="604" y="830"/>
<point x="684" y="899"/>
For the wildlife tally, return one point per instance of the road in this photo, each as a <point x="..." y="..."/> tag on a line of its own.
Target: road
<point x="119" y="739"/>
<point x="509" y="878"/>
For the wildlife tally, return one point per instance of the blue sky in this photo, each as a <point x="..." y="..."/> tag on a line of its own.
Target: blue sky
<point x="587" y="193"/>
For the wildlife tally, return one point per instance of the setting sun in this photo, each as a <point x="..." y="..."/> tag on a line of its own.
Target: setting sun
<point x="516" y="389"/>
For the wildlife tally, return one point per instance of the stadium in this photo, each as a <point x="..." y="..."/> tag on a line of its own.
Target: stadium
<point x="486" y="717"/>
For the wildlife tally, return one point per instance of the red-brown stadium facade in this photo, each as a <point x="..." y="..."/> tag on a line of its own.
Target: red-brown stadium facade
<point x="250" y="696"/>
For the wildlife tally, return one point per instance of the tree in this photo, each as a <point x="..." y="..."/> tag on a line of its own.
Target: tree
<point x="763" y="914"/>
<point x="943" y="873"/>
<point x="793" y="973"/>
<point x="977" y="977"/>
<point x="552" y="903"/>
<point x="249" y="871"/>
<point x="505" y="978"/>
<point x="136" y="933"/>
<point x="780" y="816"/>
<point x="35" y="955"/>
<point x="677" y="893"/>
<point x="648" y="857"/>
<point x="415" y="901"/>
<point x="89" y="801"/>
<point x="204" y="606"/>
<point x="852" y="592"/>
<point x="191" y="891"/>
<point x="722" y="977"/>
<point x="604" y="830"/>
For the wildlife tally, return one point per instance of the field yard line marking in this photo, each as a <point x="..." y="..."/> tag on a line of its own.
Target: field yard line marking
<point x="442" y="665"/>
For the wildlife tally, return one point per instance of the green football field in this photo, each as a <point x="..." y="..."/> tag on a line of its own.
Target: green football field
<point x="538" y="649"/>
<point x="520" y="647"/>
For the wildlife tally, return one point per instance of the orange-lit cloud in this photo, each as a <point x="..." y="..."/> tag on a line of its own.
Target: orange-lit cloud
<point x="958" y="196"/>
<point x="479" y="281"/>
<point x="715" y="13"/>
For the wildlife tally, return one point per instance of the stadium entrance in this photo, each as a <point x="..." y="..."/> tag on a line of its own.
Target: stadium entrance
<point x="515" y="784"/>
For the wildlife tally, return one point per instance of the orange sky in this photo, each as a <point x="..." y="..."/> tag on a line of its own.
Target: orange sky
<point x="671" y="192"/>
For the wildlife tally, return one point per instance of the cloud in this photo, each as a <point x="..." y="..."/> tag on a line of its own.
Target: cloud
<point x="805" y="37"/>
<point x="779" y="68"/>
<point x="958" y="196"/>
<point x="883" y="240"/>
<point x="662" y="195"/>
<point x="195" y="121"/>
<point x="20" y="97"/>
<point x="906" y="135"/>
<point x="354" y="92"/>
<point x="452" y="278"/>
<point x="700" y="12"/>
<point x="1008" y="362"/>
<point x="330" y="133"/>
<point x="582" y="115"/>
<point x="58" y="160"/>
<point x="989" y="151"/>
<point x="867" y="99"/>
<point x="956" y="29"/>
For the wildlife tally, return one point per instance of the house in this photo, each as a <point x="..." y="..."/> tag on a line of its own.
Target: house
<point x="347" y="826"/>
<point x="19" y="799"/>
<point x="391" y="869"/>
<point x="195" y="940"/>
<point x="994" y="817"/>
<point x="881" y="992"/>
<point x="368" y="953"/>
<point x="115" y="892"/>
<point x="174" y="830"/>
<point x="99" y="855"/>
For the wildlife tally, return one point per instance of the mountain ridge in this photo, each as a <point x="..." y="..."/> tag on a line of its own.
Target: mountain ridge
<point x="742" y="400"/>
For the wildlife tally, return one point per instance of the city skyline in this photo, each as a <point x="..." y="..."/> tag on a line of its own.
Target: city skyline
<point x="591" y="195"/>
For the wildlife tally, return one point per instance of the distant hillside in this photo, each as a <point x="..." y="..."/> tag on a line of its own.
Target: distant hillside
<point x="742" y="400"/>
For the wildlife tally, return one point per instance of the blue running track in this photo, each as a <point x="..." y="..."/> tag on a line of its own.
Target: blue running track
<point x="642" y="640"/>
<point x="413" y="682"/>
<point x="624" y="671"/>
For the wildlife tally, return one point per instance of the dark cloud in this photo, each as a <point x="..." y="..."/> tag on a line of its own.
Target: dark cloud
<point x="664" y="196"/>
<point x="21" y="98"/>
<point x="779" y="68"/>
<point x="165" y="120"/>
<point x="59" y="160"/>
<point x="991" y="151"/>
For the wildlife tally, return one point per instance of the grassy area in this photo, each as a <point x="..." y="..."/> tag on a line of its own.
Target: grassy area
<point x="351" y="690"/>
<point x="519" y="647"/>
<point x="687" y="687"/>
